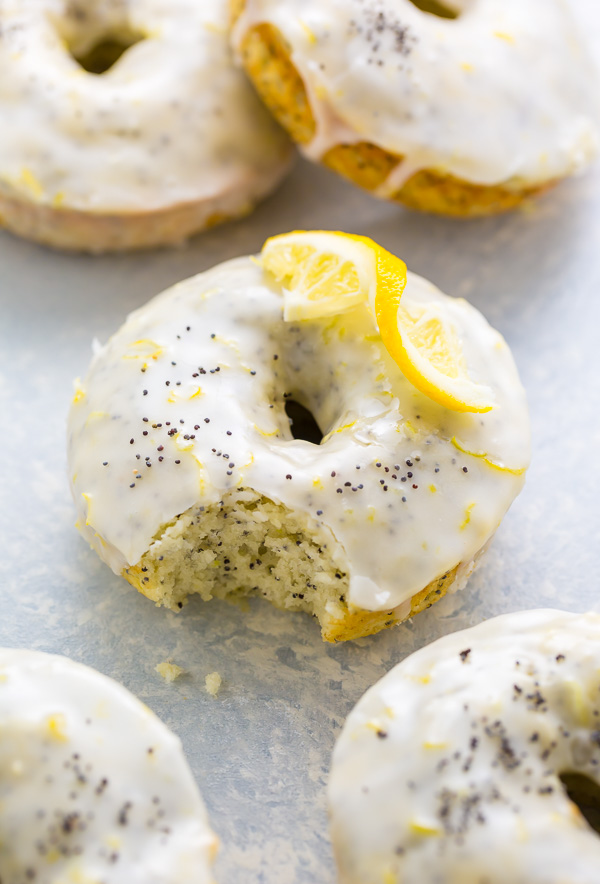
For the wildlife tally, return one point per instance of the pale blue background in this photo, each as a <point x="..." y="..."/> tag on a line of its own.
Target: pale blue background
<point x="261" y="750"/>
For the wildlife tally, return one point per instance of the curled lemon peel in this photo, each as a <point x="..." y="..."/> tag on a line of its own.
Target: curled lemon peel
<point x="427" y="350"/>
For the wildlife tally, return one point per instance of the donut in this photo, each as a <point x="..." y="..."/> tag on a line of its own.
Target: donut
<point x="93" y="786"/>
<point x="463" y="109"/>
<point x="476" y="759"/>
<point x="102" y="153"/>
<point x="187" y="477"/>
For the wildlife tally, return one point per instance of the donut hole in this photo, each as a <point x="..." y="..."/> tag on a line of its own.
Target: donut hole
<point x="105" y="51"/>
<point x="435" y="8"/>
<point x="585" y="794"/>
<point x="303" y="424"/>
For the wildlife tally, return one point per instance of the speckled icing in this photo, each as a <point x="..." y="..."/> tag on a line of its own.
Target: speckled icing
<point x="171" y="122"/>
<point x="94" y="789"/>
<point x="187" y="401"/>
<point x="503" y="92"/>
<point x="447" y="769"/>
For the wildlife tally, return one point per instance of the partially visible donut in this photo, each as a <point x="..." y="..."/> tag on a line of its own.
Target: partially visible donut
<point x="187" y="477"/>
<point x="466" y="114"/>
<point x="93" y="787"/>
<point x="474" y="759"/>
<point x="168" y="141"/>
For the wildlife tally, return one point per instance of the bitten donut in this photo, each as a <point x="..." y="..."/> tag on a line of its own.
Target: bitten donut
<point x="464" y="112"/>
<point x="476" y="759"/>
<point x="167" y="141"/>
<point x="187" y="477"/>
<point x="93" y="787"/>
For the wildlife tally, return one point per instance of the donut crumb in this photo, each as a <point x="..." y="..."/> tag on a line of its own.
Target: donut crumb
<point x="168" y="670"/>
<point x="213" y="682"/>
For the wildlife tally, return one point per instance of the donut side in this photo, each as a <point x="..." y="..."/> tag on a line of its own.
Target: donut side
<point x="96" y="232"/>
<point x="274" y="553"/>
<point x="266" y="57"/>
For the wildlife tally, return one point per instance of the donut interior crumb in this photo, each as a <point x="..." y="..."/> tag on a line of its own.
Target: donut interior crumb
<point x="168" y="670"/>
<point x="245" y="544"/>
<point x="213" y="682"/>
<point x="249" y="545"/>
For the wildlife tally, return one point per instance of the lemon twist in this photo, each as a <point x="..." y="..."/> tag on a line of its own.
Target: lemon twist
<point x="324" y="273"/>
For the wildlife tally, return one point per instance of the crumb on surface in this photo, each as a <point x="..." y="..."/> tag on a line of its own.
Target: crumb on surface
<point x="169" y="671"/>
<point x="213" y="683"/>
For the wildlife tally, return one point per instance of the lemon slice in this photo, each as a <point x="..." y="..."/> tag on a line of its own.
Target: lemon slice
<point x="324" y="273"/>
<point x="423" y="337"/>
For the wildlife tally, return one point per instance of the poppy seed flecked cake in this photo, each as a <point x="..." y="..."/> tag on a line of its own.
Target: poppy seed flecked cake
<point x="188" y="479"/>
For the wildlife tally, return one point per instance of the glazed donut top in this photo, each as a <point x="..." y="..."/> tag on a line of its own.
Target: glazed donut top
<point x="186" y="401"/>
<point x="447" y="770"/>
<point x="93" y="787"/>
<point x="171" y="122"/>
<point x="502" y="92"/>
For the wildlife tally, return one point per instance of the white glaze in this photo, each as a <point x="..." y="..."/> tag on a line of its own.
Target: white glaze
<point x="446" y="771"/>
<point x="94" y="789"/>
<point x="339" y="369"/>
<point x="503" y="92"/>
<point x="171" y="122"/>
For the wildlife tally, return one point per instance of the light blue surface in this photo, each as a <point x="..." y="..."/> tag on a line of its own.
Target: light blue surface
<point x="261" y="750"/>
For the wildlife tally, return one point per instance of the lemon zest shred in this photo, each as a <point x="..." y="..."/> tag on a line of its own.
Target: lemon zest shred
<point x="467" y="518"/>
<point x="95" y="415"/>
<point x="340" y="429"/>
<point x="148" y="343"/>
<point x="483" y="455"/>
<point x="88" y="499"/>
<point x="79" y="391"/>
<point x="309" y="33"/>
<point x="264" y="432"/>
<point x="31" y="183"/>
<point x="503" y="35"/>
<point x="424" y="829"/>
<point x="183" y="444"/>
<point x="57" y="727"/>
<point x="420" y="679"/>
